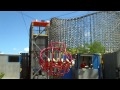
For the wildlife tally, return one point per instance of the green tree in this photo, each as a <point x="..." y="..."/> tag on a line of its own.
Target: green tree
<point x="72" y="50"/>
<point x="96" y="47"/>
<point x="84" y="48"/>
<point x="1" y="75"/>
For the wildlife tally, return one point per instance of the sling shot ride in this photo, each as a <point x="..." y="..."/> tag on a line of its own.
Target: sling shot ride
<point x="52" y="58"/>
<point x="57" y="60"/>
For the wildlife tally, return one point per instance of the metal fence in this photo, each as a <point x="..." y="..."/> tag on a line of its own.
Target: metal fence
<point x="103" y="26"/>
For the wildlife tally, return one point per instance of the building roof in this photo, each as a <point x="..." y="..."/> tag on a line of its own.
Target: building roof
<point x="9" y="54"/>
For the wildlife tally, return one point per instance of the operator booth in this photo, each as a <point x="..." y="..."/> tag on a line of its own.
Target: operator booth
<point x="87" y="66"/>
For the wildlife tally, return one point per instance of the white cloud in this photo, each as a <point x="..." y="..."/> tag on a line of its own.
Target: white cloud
<point x="14" y="49"/>
<point x="20" y="52"/>
<point x="26" y="49"/>
<point x="1" y="52"/>
<point x="48" y="21"/>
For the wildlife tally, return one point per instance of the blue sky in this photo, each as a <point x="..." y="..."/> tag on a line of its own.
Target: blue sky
<point x="14" y="36"/>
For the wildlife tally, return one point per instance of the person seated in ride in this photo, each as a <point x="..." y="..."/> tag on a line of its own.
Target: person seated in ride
<point x="83" y="64"/>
